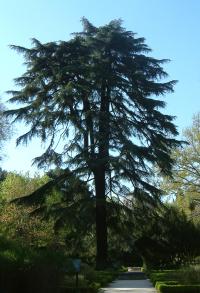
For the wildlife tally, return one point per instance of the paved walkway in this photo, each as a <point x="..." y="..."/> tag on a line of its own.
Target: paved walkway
<point x="133" y="281"/>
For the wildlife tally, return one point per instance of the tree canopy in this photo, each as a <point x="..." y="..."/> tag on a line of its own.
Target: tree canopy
<point x="185" y="184"/>
<point x="5" y="129"/>
<point x="94" y="99"/>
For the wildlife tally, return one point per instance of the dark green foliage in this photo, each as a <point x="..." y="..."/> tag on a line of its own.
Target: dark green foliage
<point x="63" y="181"/>
<point x="165" y="276"/>
<point x="98" y="96"/>
<point x="169" y="240"/>
<point x="5" y="129"/>
<point x="24" y="269"/>
<point x="165" y="288"/>
<point x="125" y="221"/>
<point x="3" y="174"/>
<point x="102" y="277"/>
<point x="175" y="280"/>
<point x="90" y="279"/>
<point x="70" y="83"/>
<point x="68" y="202"/>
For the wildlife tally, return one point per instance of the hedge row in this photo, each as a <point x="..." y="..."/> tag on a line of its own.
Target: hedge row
<point x="169" y="288"/>
<point x="162" y="276"/>
<point x="94" y="280"/>
<point x="170" y="282"/>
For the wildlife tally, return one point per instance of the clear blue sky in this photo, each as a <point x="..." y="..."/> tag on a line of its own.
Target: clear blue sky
<point x="171" y="29"/>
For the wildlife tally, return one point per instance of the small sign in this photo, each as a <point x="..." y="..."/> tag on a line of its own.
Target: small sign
<point x="77" y="264"/>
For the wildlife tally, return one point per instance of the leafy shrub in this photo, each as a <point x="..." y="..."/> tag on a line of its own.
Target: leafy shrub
<point x="184" y="276"/>
<point x="89" y="272"/>
<point x="158" y="284"/>
<point x="95" y="285"/>
<point x="190" y="275"/>
<point x="169" y="241"/>
<point x="181" y="281"/>
<point x="167" y="288"/>
<point x="105" y="277"/>
<point x="23" y="269"/>
<point x="163" y="276"/>
<point x="99" y="277"/>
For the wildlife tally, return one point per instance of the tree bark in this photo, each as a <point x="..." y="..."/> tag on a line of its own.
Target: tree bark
<point x="100" y="179"/>
<point x="101" y="220"/>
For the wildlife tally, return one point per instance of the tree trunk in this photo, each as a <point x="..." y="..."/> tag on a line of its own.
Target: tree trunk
<point x="100" y="180"/>
<point x="101" y="222"/>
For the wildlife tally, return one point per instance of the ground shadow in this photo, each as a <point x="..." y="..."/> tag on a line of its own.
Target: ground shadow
<point x="130" y="281"/>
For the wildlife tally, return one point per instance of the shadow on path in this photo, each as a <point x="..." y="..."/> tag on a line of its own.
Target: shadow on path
<point x="130" y="282"/>
<point x="132" y="276"/>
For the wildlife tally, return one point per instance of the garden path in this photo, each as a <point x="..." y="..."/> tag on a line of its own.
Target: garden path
<point x="134" y="281"/>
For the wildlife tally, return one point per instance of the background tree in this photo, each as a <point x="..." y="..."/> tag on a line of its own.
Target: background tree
<point x="3" y="174"/>
<point x="15" y="185"/>
<point x="97" y="94"/>
<point x="63" y="200"/>
<point x="16" y="223"/>
<point x="5" y="129"/>
<point x="168" y="239"/>
<point x="185" y="184"/>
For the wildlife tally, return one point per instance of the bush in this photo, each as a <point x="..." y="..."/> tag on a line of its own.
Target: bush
<point x="167" y="288"/>
<point x="102" y="278"/>
<point x="181" y="281"/>
<point x="105" y="277"/>
<point x="24" y="269"/>
<point x="27" y="270"/>
<point x="169" y="241"/>
<point x="190" y="275"/>
<point x="95" y="285"/>
<point x="36" y="279"/>
<point x="185" y="276"/>
<point x="90" y="280"/>
<point x="164" y="276"/>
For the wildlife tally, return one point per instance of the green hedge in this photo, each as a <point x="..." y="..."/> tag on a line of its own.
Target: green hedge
<point x="24" y="269"/>
<point x="163" y="276"/>
<point x="167" y="288"/>
<point x="89" y="280"/>
<point x="173" y="281"/>
<point x="97" y="279"/>
<point x="166" y="283"/>
<point x="105" y="277"/>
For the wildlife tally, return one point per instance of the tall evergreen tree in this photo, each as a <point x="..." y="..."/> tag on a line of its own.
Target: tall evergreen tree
<point x="5" y="130"/>
<point x="97" y="94"/>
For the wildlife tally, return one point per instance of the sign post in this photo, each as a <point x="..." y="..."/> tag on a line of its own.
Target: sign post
<point x="77" y="267"/>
